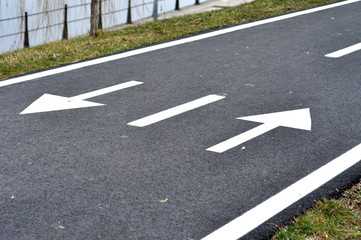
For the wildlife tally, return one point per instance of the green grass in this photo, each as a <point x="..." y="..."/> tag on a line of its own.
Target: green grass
<point x="329" y="219"/>
<point x="77" y="49"/>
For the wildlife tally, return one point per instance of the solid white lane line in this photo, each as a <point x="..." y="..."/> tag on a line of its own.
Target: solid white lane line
<point x="106" y="90"/>
<point x="175" y="111"/>
<point x="345" y="51"/>
<point x="269" y="208"/>
<point x="166" y="45"/>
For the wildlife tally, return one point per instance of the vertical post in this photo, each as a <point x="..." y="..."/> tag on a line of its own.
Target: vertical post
<point x="177" y="5"/>
<point x="26" y="36"/>
<point x="94" y="18"/>
<point x="100" y="15"/>
<point x="65" y="29"/>
<point x="197" y="2"/>
<point x="129" y="18"/>
<point x="155" y="10"/>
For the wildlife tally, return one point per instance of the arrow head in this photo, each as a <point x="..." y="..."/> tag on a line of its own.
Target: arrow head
<point x="300" y="119"/>
<point x="49" y="103"/>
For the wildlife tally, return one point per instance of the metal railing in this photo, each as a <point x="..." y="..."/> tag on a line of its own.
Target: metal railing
<point x="65" y="21"/>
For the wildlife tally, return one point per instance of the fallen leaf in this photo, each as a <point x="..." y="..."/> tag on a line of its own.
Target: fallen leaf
<point x="58" y="226"/>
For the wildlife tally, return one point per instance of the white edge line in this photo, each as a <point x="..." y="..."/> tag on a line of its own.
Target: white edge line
<point x="345" y="51"/>
<point x="71" y="67"/>
<point x="269" y="208"/>
<point x="171" y="112"/>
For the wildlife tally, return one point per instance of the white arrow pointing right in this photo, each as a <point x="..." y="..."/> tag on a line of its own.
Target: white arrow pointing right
<point x="300" y="119"/>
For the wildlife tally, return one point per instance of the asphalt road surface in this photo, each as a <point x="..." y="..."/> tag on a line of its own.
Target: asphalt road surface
<point x="138" y="158"/>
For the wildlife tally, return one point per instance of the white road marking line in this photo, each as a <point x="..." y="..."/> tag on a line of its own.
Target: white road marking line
<point x="345" y="51"/>
<point x="146" y="121"/>
<point x="71" y="67"/>
<point x="272" y="206"/>
<point x="300" y="119"/>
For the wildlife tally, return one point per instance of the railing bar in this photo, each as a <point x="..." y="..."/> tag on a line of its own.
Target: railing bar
<point x="139" y="5"/>
<point x="124" y="9"/>
<point x="11" y="34"/>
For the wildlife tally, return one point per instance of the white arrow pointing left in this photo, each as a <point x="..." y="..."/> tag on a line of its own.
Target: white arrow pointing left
<point x="49" y="102"/>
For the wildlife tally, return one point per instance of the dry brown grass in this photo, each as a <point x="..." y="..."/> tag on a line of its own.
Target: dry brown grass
<point x="77" y="49"/>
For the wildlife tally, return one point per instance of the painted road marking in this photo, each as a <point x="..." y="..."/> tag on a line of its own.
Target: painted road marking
<point x="269" y="208"/>
<point x="300" y="119"/>
<point x="146" y="121"/>
<point x="345" y="51"/>
<point x="49" y="102"/>
<point x="46" y="73"/>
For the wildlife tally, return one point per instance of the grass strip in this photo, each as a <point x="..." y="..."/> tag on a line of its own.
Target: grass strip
<point x="328" y="219"/>
<point x="81" y="48"/>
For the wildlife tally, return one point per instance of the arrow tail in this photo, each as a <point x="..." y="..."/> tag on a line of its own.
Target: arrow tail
<point x="106" y="90"/>
<point x="241" y="138"/>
